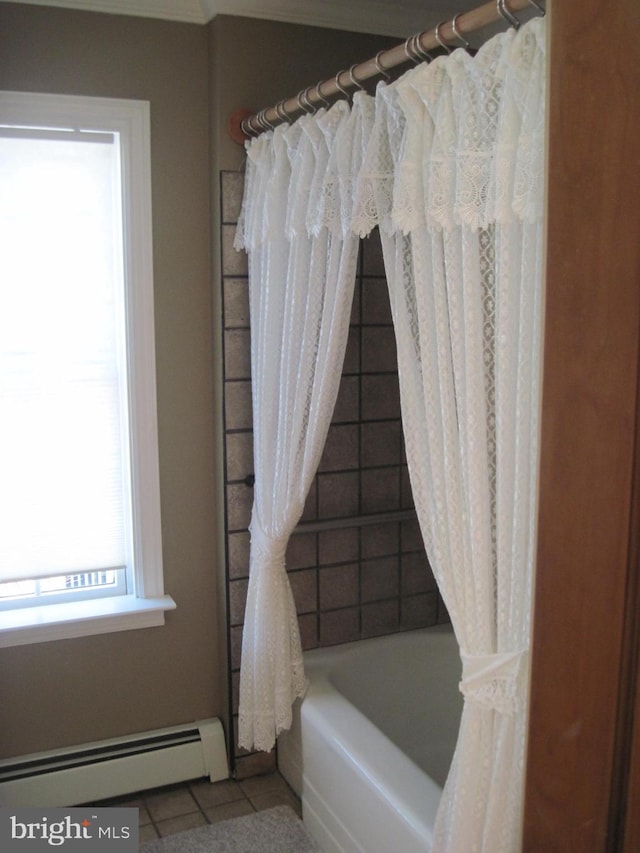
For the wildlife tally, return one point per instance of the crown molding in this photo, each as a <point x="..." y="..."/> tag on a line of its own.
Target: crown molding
<point x="379" y="17"/>
<point x="188" y="11"/>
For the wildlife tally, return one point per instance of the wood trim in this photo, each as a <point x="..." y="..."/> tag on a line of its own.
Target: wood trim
<point x="624" y="822"/>
<point x="588" y="425"/>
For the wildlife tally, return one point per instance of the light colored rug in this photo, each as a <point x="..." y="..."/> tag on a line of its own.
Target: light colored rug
<point x="277" y="830"/>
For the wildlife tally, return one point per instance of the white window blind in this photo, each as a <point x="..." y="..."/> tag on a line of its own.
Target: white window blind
<point x="64" y="462"/>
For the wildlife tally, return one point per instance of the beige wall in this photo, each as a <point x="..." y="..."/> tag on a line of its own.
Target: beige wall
<point x="67" y="692"/>
<point x="76" y="690"/>
<point x="255" y="64"/>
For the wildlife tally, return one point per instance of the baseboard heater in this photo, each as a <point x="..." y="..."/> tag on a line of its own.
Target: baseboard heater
<point x="114" y="767"/>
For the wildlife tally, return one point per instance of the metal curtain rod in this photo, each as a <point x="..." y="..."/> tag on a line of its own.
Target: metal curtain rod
<point x="243" y="124"/>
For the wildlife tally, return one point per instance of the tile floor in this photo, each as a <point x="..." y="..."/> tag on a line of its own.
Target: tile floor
<point x="165" y="811"/>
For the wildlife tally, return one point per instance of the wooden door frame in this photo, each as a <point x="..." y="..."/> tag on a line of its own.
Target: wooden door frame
<point x="584" y="653"/>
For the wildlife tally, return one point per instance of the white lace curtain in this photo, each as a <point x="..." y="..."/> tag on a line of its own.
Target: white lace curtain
<point x="302" y="265"/>
<point x="453" y="175"/>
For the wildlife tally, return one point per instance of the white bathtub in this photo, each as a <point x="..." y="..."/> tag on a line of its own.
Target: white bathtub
<point x="372" y="741"/>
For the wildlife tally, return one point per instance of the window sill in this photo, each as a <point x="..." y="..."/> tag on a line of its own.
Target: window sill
<point x="81" y="619"/>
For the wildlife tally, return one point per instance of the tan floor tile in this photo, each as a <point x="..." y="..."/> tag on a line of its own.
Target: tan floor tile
<point x="258" y="785"/>
<point x="248" y="766"/>
<point x="147" y="833"/>
<point x="169" y="804"/>
<point x="174" y="809"/>
<point x="143" y="816"/>
<point x="209" y="795"/>
<point x="180" y="824"/>
<point x="277" y="798"/>
<point x="228" y="810"/>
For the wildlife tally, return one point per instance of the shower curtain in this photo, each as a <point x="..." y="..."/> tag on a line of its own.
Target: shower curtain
<point x="302" y="265"/>
<point x="453" y="175"/>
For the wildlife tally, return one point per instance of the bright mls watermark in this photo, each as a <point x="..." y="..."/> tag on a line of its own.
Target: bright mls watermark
<point x="23" y="830"/>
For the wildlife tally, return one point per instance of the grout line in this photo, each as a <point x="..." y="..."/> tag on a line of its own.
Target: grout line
<point x="199" y="809"/>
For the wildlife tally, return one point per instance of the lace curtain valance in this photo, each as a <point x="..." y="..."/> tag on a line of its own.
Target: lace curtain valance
<point x="458" y="141"/>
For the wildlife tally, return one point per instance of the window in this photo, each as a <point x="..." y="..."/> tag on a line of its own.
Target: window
<point x="80" y="542"/>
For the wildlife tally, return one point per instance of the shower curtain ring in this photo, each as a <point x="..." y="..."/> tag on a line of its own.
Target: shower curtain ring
<point x="319" y="94"/>
<point x="506" y="14"/>
<point x="283" y="115"/>
<point x="379" y="67"/>
<point x="264" y="122"/>
<point x="306" y="99"/>
<point x="302" y="103"/>
<point x="456" y="32"/>
<point x="354" y="80"/>
<point x="414" y="51"/>
<point x="438" y="39"/>
<point x="246" y="126"/>
<point x="421" y="51"/>
<point x="337" y="82"/>
<point x="410" y="50"/>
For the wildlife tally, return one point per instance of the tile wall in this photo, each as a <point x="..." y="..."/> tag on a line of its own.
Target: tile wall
<point x="347" y="583"/>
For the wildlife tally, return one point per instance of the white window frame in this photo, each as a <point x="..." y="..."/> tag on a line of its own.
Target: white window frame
<point x="146" y="604"/>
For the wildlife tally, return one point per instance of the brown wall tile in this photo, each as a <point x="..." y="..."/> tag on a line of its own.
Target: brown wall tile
<point x="383" y="617"/>
<point x="348" y="403"/>
<point x="237" y="601"/>
<point x="304" y="586"/>
<point x="302" y="551"/>
<point x="419" y="611"/>
<point x="233" y="263"/>
<point x="375" y="302"/>
<point x="380" y="397"/>
<point x="380" y="489"/>
<point x="416" y="574"/>
<point x="411" y="536"/>
<point x="341" y="450"/>
<point x="381" y="443"/>
<point x="231" y="190"/>
<point x="339" y="626"/>
<point x="378" y="349"/>
<point x="352" y="354"/>
<point x="237" y="354"/>
<point x="239" y="455"/>
<point x="380" y="579"/>
<point x="235" y="645"/>
<point x="339" y="586"/>
<point x="338" y="495"/>
<point x="338" y="546"/>
<point x="372" y="260"/>
<point x="236" y="302"/>
<point x="239" y="503"/>
<point x="308" y="623"/>
<point x="238" y="405"/>
<point x="238" y="554"/>
<point x="380" y="540"/>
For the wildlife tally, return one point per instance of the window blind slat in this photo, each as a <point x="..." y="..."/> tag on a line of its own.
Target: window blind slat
<point x="63" y="440"/>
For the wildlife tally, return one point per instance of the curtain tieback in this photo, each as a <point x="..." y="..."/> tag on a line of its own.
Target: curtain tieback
<point x="494" y="681"/>
<point x="272" y="549"/>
